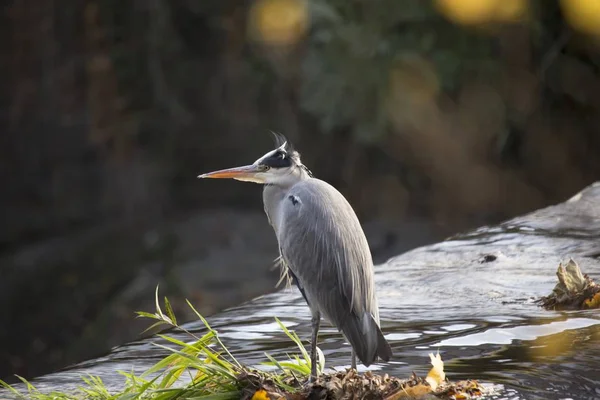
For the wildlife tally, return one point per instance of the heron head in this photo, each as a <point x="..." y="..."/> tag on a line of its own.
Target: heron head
<point x="281" y="166"/>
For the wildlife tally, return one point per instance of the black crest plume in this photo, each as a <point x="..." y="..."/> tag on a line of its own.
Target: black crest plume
<point x="280" y="140"/>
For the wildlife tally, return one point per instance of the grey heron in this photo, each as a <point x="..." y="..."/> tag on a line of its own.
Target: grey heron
<point x="323" y="247"/>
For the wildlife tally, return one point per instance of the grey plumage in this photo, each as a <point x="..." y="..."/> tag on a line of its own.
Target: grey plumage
<point x="324" y="248"/>
<point x="322" y="243"/>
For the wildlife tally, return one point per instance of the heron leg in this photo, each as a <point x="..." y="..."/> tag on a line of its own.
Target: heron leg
<point x="315" y="322"/>
<point x="353" y="360"/>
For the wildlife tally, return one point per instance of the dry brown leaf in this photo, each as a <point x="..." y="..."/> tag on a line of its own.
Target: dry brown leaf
<point x="411" y="392"/>
<point x="570" y="280"/>
<point x="460" y="390"/>
<point x="436" y="375"/>
<point x="594" y="302"/>
<point x="574" y="290"/>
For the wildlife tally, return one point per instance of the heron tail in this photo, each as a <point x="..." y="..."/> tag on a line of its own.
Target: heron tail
<point x="366" y="339"/>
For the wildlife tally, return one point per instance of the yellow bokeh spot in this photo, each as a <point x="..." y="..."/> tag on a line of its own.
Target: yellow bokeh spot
<point x="468" y="12"/>
<point x="511" y="10"/>
<point x="582" y="15"/>
<point x="278" y="22"/>
<point x="475" y="12"/>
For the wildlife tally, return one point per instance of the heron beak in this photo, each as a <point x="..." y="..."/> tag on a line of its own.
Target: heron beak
<point x="246" y="173"/>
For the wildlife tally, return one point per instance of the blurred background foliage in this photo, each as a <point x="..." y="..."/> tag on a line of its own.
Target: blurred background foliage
<point x="452" y="112"/>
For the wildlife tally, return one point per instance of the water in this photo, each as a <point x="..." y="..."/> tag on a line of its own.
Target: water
<point x="470" y="298"/>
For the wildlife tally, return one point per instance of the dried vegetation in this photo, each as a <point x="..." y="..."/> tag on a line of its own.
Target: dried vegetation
<point x="574" y="290"/>
<point x="215" y="374"/>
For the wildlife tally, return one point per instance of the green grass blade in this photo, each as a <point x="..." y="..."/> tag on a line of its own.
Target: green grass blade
<point x="169" y="394"/>
<point x="157" y="305"/>
<point x="302" y="363"/>
<point x="205" y="322"/>
<point x="145" y="387"/>
<point x="127" y="396"/>
<point x="171" y="377"/>
<point x="221" y="368"/>
<point x="301" y="369"/>
<point x="237" y="363"/>
<point x="10" y="388"/>
<point x="273" y="362"/>
<point x="217" y="396"/>
<point x="30" y="387"/>
<point x="286" y="366"/>
<point x="162" y="364"/>
<point x="170" y="312"/>
<point x="154" y="325"/>
<point x="285" y="387"/>
<point x="217" y="360"/>
<point x="213" y="370"/>
<point x="146" y="315"/>
<point x="173" y="359"/>
<point x="139" y="385"/>
<point x="294" y="337"/>
<point x="198" y="345"/>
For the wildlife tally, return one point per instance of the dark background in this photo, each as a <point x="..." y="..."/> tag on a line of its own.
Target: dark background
<point x="431" y="117"/>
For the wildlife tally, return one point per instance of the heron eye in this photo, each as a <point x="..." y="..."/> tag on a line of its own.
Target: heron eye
<point x="265" y="168"/>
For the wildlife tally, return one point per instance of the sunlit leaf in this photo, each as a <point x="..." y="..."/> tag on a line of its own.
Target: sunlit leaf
<point x="436" y="375"/>
<point x="594" y="302"/>
<point x="261" y="394"/>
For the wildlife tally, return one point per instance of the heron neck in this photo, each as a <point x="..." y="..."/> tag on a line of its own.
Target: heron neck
<point x="274" y="194"/>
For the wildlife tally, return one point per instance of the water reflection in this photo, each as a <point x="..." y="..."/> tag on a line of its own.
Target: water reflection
<point x="525" y="332"/>
<point x="477" y="311"/>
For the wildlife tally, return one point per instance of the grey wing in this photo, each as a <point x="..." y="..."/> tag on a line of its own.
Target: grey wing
<point x="324" y="246"/>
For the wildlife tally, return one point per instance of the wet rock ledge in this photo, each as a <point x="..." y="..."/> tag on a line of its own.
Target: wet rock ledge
<point x="535" y="241"/>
